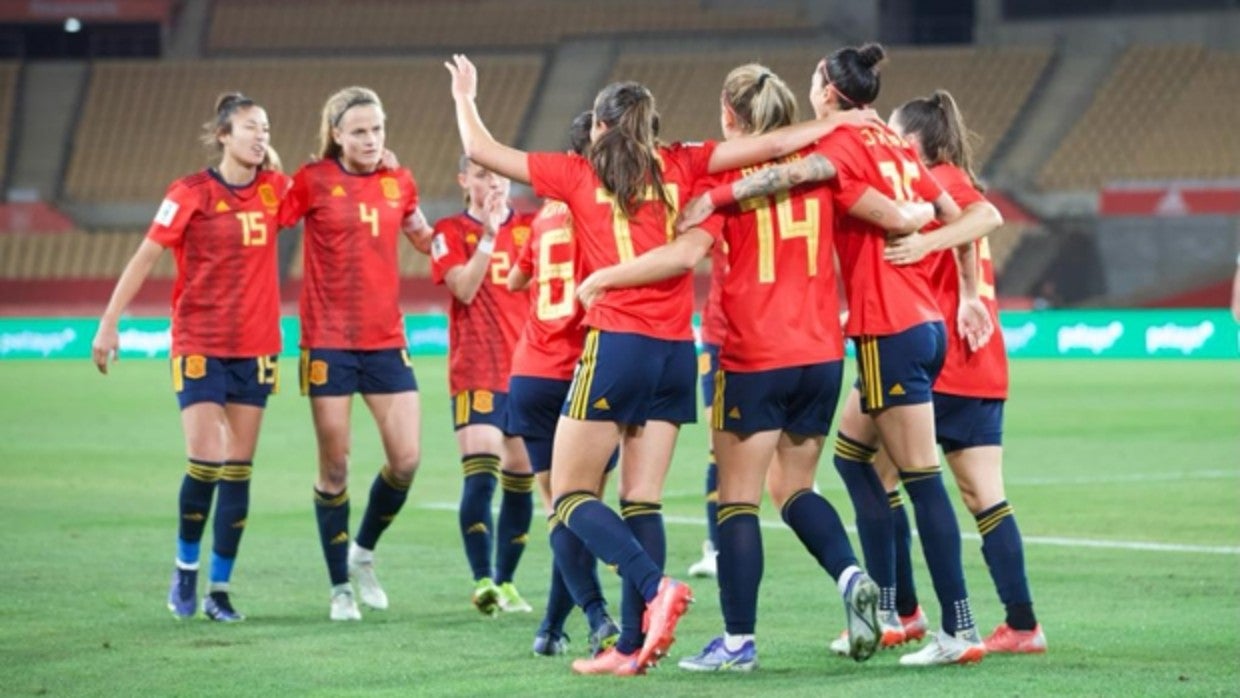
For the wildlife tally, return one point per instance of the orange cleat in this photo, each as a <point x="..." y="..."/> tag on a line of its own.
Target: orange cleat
<point x="609" y="661"/>
<point x="1007" y="640"/>
<point x="662" y="614"/>
<point x="915" y="625"/>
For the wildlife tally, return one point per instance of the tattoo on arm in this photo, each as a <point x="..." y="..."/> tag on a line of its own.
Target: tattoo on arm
<point x="771" y="180"/>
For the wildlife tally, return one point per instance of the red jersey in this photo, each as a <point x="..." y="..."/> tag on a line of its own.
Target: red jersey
<point x="226" y="299"/>
<point x="713" y="327"/>
<point x="983" y="373"/>
<point x="605" y="236"/>
<point x="779" y="300"/>
<point x="351" y="287"/>
<point x="551" y="341"/>
<point x="883" y="298"/>
<point x="481" y="334"/>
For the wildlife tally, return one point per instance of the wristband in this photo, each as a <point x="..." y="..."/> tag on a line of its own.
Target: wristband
<point x="486" y="246"/>
<point x="721" y="195"/>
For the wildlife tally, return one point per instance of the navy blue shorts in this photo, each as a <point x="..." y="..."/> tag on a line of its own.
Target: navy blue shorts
<point x="964" y="422"/>
<point x="631" y="379"/>
<point x="533" y="411"/>
<point x="471" y="407"/>
<point x="797" y="399"/>
<point x="197" y="378"/>
<point x="900" y="369"/>
<point x="326" y="372"/>
<point x="708" y="364"/>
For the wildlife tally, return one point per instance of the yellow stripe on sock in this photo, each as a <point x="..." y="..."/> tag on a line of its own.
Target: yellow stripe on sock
<point x="728" y="511"/>
<point x="992" y="520"/>
<point x="895" y="500"/>
<point x="235" y="472"/>
<point x="202" y="472"/>
<point x="517" y="482"/>
<point x="392" y="481"/>
<point x="565" y="508"/>
<point x="479" y="465"/>
<point x="338" y="500"/>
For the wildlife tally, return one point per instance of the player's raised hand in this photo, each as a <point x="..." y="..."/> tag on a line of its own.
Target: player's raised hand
<point x="105" y="347"/>
<point x="495" y="206"/>
<point x="694" y="213"/>
<point x="974" y="323"/>
<point x="464" y="77"/>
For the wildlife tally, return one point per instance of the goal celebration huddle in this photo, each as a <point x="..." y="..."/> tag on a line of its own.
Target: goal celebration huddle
<point x="573" y="362"/>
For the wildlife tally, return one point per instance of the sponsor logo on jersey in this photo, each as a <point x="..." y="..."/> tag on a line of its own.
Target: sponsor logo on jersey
<point x="1185" y="339"/>
<point x="1089" y="337"/>
<point x="602" y="404"/>
<point x="167" y="211"/>
<point x="338" y="190"/>
<point x="734" y="413"/>
<point x="221" y="206"/>
<point x="896" y="390"/>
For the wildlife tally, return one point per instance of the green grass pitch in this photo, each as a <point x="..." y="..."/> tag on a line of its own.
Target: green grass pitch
<point x="1102" y="457"/>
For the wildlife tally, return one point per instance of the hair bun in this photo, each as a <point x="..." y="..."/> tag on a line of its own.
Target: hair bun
<point x="871" y="55"/>
<point x="228" y="100"/>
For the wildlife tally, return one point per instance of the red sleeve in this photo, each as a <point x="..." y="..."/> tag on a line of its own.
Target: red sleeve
<point x="555" y="175"/>
<point x="178" y="206"/>
<point x="957" y="185"/>
<point x="296" y="202"/>
<point x="926" y="186"/>
<point x="525" y="256"/>
<point x="411" y="192"/>
<point x="447" y="250"/>
<point x="850" y="164"/>
<point x="715" y="222"/>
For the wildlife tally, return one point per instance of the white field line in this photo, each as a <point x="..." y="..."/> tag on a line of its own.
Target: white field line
<point x="1031" y="540"/>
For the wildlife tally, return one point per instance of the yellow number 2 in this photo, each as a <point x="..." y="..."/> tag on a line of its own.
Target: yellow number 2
<point x="253" y="229"/>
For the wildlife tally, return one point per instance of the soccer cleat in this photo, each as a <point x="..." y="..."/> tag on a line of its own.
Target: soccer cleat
<point x="604" y="637"/>
<point x="610" y="661"/>
<point x="892" y="635"/>
<point x="708" y="565"/>
<point x="344" y="606"/>
<point x="1007" y="640"/>
<point x="510" y="600"/>
<point x="861" y="611"/>
<point x="915" y="625"/>
<point x="716" y="657"/>
<point x="218" y="607"/>
<point x="183" y="593"/>
<point x="965" y="647"/>
<point x="486" y="597"/>
<point x="547" y="644"/>
<point x="362" y="573"/>
<point x="662" y="614"/>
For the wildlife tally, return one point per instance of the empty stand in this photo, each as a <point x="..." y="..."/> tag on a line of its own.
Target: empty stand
<point x="73" y="256"/>
<point x="369" y="25"/>
<point x="141" y="120"/>
<point x="990" y="85"/>
<point x="1161" y="115"/>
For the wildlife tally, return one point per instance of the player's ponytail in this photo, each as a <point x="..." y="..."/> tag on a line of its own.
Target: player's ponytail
<point x="941" y="131"/>
<point x="579" y="132"/>
<point x="271" y="161"/>
<point x="333" y="113"/>
<point x="760" y="100"/>
<point x="623" y="156"/>
<point x="227" y="104"/>
<point x="853" y="72"/>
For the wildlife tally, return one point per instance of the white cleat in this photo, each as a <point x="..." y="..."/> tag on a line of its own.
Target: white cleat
<point x="708" y="565"/>
<point x="965" y="647"/>
<point x="344" y="607"/>
<point x="362" y="572"/>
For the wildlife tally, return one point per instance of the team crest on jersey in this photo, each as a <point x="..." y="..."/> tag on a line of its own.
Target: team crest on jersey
<point x="167" y="211"/>
<point x="267" y="194"/>
<point x="520" y="234"/>
<point x="471" y="239"/>
<point x="391" y="189"/>
<point x="439" y="247"/>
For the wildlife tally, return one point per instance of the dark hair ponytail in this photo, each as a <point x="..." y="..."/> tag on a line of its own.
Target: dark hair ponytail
<point x="579" y="132"/>
<point x="854" y="73"/>
<point x="940" y="128"/>
<point x="227" y="104"/>
<point x="623" y="156"/>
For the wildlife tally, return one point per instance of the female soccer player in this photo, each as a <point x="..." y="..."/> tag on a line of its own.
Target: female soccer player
<point x="634" y="382"/>
<point x="971" y="390"/>
<point x="708" y="363"/>
<point x="472" y="253"/>
<point x="779" y="377"/>
<point x="900" y="338"/>
<point x="352" y="331"/>
<point x="542" y="370"/>
<point x="220" y="224"/>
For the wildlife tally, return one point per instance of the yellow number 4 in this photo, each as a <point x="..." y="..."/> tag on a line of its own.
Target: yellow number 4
<point x="371" y="216"/>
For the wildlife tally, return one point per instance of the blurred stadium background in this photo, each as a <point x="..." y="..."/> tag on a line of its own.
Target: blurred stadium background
<point x="1109" y="132"/>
